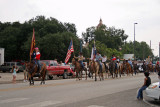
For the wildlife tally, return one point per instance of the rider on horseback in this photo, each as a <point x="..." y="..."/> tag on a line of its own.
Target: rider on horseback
<point x="114" y="60"/>
<point x="98" y="59"/>
<point x="80" y="59"/>
<point x="130" y="62"/>
<point x="38" y="55"/>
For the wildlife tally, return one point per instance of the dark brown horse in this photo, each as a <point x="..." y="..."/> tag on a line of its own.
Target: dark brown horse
<point x="112" y="69"/>
<point x="78" y="69"/>
<point x="32" y="69"/>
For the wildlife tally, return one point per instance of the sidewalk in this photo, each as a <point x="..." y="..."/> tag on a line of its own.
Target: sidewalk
<point x="7" y="77"/>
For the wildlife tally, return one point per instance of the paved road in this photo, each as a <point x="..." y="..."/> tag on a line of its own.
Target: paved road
<point x="70" y="93"/>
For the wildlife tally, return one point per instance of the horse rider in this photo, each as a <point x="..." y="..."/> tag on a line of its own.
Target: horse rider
<point x="38" y="55"/>
<point x="104" y="59"/>
<point x="130" y="62"/>
<point x="98" y="59"/>
<point x="114" y="60"/>
<point x="80" y="59"/>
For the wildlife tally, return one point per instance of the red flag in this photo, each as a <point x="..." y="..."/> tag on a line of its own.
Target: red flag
<point x="32" y="44"/>
<point x="70" y="50"/>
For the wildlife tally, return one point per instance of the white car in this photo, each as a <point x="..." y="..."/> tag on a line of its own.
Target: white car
<point x="153" y="91"/>
<point x="140" y="69"/>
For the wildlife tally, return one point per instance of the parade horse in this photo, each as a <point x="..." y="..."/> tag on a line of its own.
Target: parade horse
<point x="32" y="69"/>
<point x="135" y="68"/>
<point x="78" y="69"/>
<point x="128" y="69"/>
<point x="118" y="69"/>
<point x="157" y="68"/>
<point x="112" y="69"/>
<point x="98" y="71"/>
<point x="92" y="68"/>
<point x="150" y="67"/>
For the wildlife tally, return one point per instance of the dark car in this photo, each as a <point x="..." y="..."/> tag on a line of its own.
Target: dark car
<point x="7" y="66"/>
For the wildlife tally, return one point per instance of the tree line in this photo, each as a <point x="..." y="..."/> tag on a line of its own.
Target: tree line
<point x="53" y="38"/>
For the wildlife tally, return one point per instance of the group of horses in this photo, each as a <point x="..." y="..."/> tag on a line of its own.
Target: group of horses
<point x="113" y="69"/>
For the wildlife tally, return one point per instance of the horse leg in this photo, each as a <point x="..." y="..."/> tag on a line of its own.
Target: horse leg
<point x="86" y="73"/>
<point x="95" y="75"/>
<point x="32" y="81"/>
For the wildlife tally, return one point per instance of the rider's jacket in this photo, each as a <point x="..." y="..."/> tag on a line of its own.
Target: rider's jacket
<point x="98" y="57"/>
<point x="80" y="58"/>
<point x="38" y="55"/>
<point x="33" y="55"/>
<point x="114" y="58"/>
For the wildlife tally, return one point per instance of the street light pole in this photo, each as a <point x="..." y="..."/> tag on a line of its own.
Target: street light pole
<point x="134" y="40"/>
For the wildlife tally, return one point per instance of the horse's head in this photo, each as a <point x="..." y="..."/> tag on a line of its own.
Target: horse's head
<point x="73" y="61"/>
<point x="29" y="66"/>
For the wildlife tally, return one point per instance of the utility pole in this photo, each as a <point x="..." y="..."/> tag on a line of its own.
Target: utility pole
<point x="134" y="40"/>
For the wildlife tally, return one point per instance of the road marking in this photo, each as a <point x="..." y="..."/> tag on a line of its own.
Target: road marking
<point x="42" y="104"/>
<point x="95" y="106"/>
<point x="12" y="100"/>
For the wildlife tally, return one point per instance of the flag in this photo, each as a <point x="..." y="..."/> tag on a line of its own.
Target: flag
<point x="70" y="50"/>
<point x="93" y="53"/>
<point x="32" y="44"/>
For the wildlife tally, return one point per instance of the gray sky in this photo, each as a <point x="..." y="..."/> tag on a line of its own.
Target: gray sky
<point x="86" y="13"/>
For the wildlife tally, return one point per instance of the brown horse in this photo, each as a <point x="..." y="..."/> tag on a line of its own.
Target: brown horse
<point x="78" y="69"/>
<point x="98" y="71"/>
<point x="32" y="69"/>
<point x="92" y="68"/>
<point x="129" y="69"/>
<point x="149" y="67"/>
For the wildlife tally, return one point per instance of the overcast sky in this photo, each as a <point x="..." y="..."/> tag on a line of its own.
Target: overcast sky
<point x="86" y="13"/>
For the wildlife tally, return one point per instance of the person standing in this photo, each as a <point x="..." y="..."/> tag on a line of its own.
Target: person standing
<point x="38" y="55"/>
<point x="14" y="73"/>
<point x="25" y="72"/>
<point x="147" y="82"/>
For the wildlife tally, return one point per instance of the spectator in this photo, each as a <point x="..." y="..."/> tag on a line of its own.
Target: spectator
<point x="61" y="64"/>
<point x="14" y="71"/>
<point x="25" y="72"/>
<point x="147" y="82"/>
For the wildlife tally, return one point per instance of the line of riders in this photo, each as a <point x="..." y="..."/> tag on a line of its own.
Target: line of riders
<point x="114" y="68"/>
<point x="96" y="65"/>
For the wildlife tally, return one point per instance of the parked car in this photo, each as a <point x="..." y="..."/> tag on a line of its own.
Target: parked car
<point x="7" y="66"/>
<point x="153" y="91"/>
<point x="53" y="68"/>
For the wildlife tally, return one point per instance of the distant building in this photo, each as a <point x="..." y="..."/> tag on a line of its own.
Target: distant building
<point x="100" y="23"/>
<point x="1" y="56"/>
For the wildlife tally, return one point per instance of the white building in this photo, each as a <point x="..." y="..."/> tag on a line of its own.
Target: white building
<point x="128" y="56"/>
<point x="1" y="56"/>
